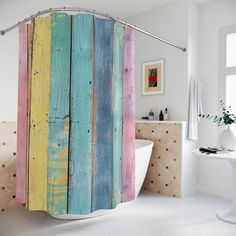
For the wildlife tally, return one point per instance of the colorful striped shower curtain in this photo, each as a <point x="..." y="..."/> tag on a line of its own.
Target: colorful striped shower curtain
<point x="76" y="118"/>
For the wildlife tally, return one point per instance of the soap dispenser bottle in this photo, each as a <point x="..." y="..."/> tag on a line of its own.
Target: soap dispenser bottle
<point x="161" y="116"/>
<point x="151" y="115"/>
<point x="166" y="115"/>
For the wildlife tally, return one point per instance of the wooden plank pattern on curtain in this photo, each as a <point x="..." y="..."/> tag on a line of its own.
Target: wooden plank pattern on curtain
<point x="22" y="125"/>
<point x="80" y="178"/>
<point x="128" y="161"/>
<point x="30" y="51"/>
<point x="118" y="49"/>
<point x="103" y="115"/>
<point x="40" y="83"/>
<point x="59" y="114"/>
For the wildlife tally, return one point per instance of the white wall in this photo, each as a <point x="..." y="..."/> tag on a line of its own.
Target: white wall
<point x="193" y="39"/>
<point x="8" y="72"/>
<point x="171" y="22"/>
<point x="214" y="176"/>
<point x="190" y="162"/>
<point x="178" y="22"/>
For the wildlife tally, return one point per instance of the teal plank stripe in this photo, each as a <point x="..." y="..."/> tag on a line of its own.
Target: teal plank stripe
<point x="118" y="48"/>
<point x="81" y="115"/>
<point x="103" y="115"/>
<point x="60" y="67"/>
<point x="59" y="113"/>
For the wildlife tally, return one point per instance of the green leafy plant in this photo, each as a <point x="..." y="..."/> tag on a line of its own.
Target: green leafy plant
<point x="227" y="118"/>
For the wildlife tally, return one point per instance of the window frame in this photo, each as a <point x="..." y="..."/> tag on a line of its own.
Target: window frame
<point x="224" y="70"/>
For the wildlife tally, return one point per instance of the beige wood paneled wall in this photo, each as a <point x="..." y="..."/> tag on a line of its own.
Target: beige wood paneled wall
<point x="7" y="166"/>
<point x="164" y="172"/>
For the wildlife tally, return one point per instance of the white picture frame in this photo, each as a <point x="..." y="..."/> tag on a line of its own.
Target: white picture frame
<point x="153" y="77"/>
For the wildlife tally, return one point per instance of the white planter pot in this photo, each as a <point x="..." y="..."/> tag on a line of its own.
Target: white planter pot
<point x="227" y="139"/>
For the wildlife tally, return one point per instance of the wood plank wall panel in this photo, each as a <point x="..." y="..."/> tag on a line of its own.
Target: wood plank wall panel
<point x="22" y="124"/>
<point x="103" y="115"/>
<point x="128" y="161"/>
<point x="80" y="178"/>
<point x="58" y="140"/>
<point x="38" y="148"/>
<point x="118" y="49"/>
<point x="164" y="172"/>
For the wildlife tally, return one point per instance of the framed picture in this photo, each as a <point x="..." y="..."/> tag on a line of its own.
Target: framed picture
<point x="153" y="77"/>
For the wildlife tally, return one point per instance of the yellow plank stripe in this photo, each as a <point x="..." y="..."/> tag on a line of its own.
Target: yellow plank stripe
<point x="40" y="87"/>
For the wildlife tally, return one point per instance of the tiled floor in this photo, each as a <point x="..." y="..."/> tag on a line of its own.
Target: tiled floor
<point x="150" y="215"/>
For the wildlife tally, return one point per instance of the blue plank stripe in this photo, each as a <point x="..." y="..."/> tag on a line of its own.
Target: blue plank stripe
<point x="118" y="52"/>
<point x="81" y="118"/>
<point x="103" y="117"/>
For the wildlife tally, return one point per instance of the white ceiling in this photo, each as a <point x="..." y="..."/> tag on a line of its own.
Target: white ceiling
<point x="119" y="8"/>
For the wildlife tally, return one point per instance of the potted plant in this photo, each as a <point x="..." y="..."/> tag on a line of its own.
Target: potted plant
<point x="227" y="138"/>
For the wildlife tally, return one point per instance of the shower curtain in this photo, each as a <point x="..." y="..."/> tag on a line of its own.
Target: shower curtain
<point x="76" y="123"/>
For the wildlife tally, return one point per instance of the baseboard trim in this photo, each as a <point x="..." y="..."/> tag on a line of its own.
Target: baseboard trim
<point x="190" y="191"/>
<point x="218" y="191"/>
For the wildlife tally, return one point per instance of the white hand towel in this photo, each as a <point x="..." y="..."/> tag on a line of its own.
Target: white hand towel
<point x="195" y="108"/>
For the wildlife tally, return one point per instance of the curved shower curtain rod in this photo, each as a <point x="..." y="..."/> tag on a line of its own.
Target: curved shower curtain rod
<point x="95" y="12"/>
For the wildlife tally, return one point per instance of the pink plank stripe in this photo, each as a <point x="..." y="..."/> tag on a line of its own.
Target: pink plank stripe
<point x="22" y="123"/>
<point x="128" y="160"/>
<point x="30" y="51"/>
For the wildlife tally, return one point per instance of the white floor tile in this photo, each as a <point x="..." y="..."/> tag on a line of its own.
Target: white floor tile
<point x="150" y="215"/>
